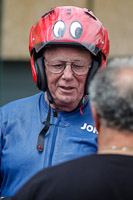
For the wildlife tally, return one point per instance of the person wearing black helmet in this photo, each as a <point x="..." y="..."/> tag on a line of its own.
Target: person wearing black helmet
<point x="67" y="47"/>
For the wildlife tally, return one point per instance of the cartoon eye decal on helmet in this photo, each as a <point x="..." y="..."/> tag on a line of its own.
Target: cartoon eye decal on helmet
<point x="76" y="29"/>
<point x="59" y="29"/>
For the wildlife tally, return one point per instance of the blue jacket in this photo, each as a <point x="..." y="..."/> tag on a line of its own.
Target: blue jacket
<point x="71" y="135"/>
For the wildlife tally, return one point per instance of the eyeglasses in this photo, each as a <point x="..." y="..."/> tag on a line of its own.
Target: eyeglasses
<point x="78" y="67"/>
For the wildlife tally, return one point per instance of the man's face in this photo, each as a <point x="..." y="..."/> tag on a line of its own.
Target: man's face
<point x="66" y="87"/>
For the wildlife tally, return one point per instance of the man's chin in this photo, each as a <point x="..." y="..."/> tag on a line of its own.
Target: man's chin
<point x="66" y="104"/>
<point x="66" y="100"/>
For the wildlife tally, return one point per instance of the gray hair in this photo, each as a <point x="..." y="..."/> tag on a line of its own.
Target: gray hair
<point x="111" y="93"/>
<point x="120" y="61"/>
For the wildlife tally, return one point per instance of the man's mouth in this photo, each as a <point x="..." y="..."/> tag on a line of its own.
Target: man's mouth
<point x="67" y="88"/>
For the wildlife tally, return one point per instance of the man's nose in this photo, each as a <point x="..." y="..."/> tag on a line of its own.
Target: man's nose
<point x="68" y="73"/>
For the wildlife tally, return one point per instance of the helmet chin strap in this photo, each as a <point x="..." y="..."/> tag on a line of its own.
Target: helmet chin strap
<point x="81" y="103"/>
<point x="49" y="96"/>
<point x="40" y="142"/>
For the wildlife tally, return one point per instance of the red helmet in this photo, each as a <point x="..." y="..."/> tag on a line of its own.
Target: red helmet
<point x="72" y="26"/>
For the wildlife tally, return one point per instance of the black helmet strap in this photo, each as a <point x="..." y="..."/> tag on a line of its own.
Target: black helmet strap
<point x="40" y="142"/>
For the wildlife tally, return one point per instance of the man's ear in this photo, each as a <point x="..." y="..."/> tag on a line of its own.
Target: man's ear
<point x="96" y="118"/>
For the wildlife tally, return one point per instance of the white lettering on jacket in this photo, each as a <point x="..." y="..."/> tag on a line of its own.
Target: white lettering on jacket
<point x="89" y="128"/>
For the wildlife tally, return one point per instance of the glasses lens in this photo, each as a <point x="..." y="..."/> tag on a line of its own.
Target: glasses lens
<point x="80" y="69"/>
<point x="55" y="67"/>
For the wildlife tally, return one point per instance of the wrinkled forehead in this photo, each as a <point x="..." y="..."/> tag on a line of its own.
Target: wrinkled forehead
<point x="67" y="53"/>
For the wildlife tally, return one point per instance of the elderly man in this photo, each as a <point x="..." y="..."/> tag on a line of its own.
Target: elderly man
<point x="67" y="46"/>
<point x="108" y="174"/>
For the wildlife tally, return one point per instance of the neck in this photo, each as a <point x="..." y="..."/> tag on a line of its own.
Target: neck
<point x="63" y="107"/>
<point x="52" y="105"/>
<point x="116" y="150"/>
<point x="114" y="141"/>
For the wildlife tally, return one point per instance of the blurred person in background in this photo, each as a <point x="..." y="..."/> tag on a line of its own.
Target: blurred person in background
<point x="108" y="174"/>
<point x="120" y="61"/>
<point x="67" y="47"/>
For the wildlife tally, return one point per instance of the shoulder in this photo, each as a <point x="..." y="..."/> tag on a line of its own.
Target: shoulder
<point x="72" y="179"/>
<point x="70" y="167"/>
<point x="60" y="179"/>
<point x="22" y="102"/>
<point x="20" y="106"/>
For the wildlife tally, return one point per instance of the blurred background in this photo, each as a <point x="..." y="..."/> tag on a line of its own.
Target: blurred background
<point x="16" y="20"/>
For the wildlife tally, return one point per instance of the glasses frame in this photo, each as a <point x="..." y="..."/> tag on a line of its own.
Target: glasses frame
<point x="65" y="64"/>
